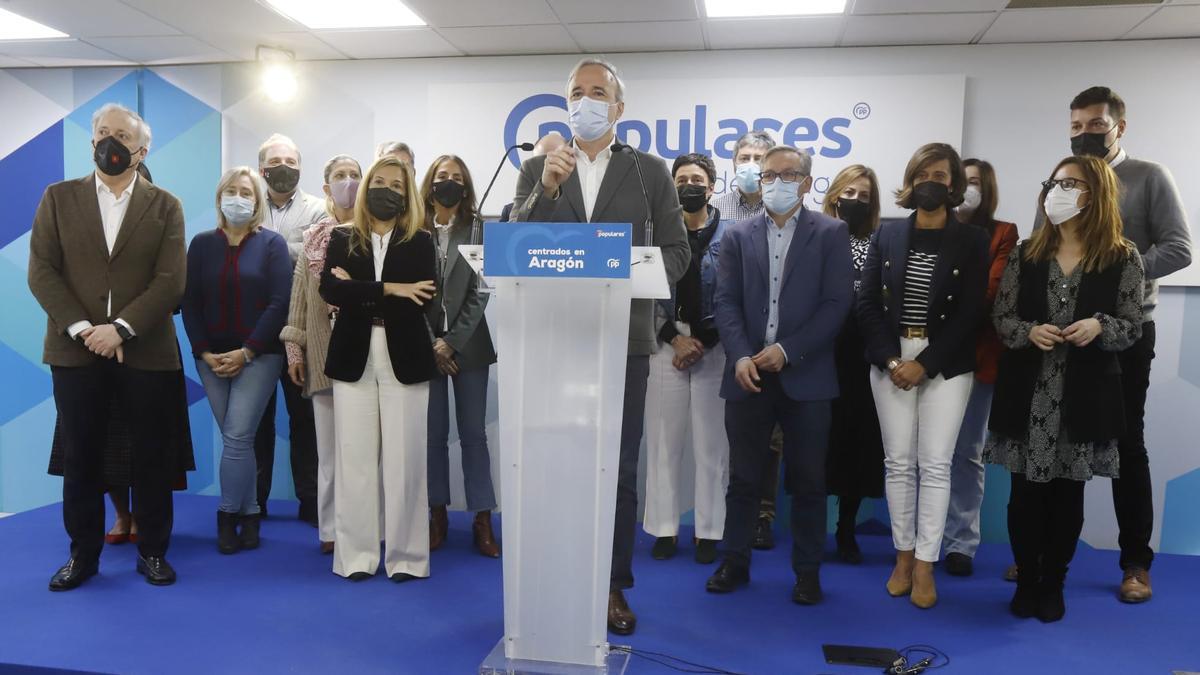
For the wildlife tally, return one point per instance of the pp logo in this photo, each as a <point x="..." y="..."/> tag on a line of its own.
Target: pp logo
<point x="862" y="111"/>
<point x="614" y="263"/>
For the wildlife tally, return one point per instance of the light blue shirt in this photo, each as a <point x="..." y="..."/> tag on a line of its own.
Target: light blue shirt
<point x="779" y="240"/>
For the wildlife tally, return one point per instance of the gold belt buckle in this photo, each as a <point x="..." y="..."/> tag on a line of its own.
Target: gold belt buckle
<point x="915" y="332"/>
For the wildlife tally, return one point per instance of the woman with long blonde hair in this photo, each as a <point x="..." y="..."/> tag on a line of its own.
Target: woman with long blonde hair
<point x="379" y="273"/>
<point x="1070" y="300"/>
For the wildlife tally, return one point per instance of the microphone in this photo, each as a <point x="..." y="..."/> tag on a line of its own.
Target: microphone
<point x="618" y="146"/>
<point x="479" y="214"/>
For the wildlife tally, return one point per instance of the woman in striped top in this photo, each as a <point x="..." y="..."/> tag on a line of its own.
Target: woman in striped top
<point x="919" y="308"/>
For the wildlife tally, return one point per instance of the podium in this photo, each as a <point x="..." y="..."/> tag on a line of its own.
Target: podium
<point x="563" y="294"/>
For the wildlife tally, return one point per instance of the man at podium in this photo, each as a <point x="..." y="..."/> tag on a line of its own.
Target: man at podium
<point x="592" y="180"/>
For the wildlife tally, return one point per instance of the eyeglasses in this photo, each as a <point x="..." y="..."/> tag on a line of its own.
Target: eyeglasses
<point x="789" y="176"/>
<point x="1066" y="183"/>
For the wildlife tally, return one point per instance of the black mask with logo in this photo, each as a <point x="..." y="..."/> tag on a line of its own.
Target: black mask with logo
<point x="282" y="178"/>
<point x="692" y="197"/>
<point x="112" y="157"/>
<point x="448" y="192"/>
<point x="385" y="203"/>
<point x="931" y="195"/>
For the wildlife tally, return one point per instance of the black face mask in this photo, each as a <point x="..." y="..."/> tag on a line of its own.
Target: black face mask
<point x="854" y="212"/>
<point x="1090" y="144"/>
<point x="112" y="157"/>
<point x="692" y="197"/>
<point x="448" y="192"/>
<point x="282" y="178"/>
<point x="385" y="203"/>
<point x="930" y="195"/>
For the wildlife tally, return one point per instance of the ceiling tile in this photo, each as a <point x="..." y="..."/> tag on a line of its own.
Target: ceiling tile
<point x="512" y="40"/>
<point x="163" y="50"/>
<point x="442" y="14"/>
<point x="306" y="46"/>
<point x="216" y="16"/>
<point x="389" y="44"/>
<point x="64" y="52"/>
<point x="640" y="36"/>
<point x="1064" y="25"/>
<point x="10" y="62"/>
<point x="1169" y="22"/>
<point x="923" y="6"/>
<point x="914" y="29"/>
<point x="810" y="31"/>
<point x="616" y="11"/>
<point x="91" y="18"/>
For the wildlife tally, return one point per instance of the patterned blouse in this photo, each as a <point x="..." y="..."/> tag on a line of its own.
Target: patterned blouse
<point x="858" y="253"/>
<point x="1048" y="453"/>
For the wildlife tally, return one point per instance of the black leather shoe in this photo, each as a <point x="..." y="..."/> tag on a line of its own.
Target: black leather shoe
<point x="664" y="548"/>
<point x="807" y="590"/>
<point x="248" y="537"/>
<point x="764" y="538"/>
<point x="727" y="578"/>
<point x="156" y="569"/>
<point x="359" y="576"/>
<point x="401" y="577"/>
<point x="706" y="551"/>
<point x="227" y="536"/>
<point x="621" y="619"/>
<point x="73" y="574"/>
<point x="959" y="565"/>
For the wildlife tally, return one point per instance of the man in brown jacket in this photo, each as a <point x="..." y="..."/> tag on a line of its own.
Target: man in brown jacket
<point x="106" y="262"/>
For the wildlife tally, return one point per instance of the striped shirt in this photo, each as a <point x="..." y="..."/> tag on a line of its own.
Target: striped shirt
<point x="918" y="275"/>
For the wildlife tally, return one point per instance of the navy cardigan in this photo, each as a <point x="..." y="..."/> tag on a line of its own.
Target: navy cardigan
<point x="237" y="296"/>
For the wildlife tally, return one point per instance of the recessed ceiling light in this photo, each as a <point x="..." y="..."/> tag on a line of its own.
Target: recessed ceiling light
<point x="722" y="9"/>
<point x="324" y="14"/>
<point x="17" y="27"/>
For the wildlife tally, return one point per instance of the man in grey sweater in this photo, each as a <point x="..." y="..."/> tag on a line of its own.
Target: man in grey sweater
<point x="1155" y="221"/>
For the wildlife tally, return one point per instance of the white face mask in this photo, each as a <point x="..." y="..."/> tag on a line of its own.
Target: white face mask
<point x="1061" y="203"/>
<point x="589" y="118"/>
<point x="972" y="198"/>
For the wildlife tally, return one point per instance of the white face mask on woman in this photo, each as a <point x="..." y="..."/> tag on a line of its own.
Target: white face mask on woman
<point x="1061" y="204"/>
<point x="972" y="198"/>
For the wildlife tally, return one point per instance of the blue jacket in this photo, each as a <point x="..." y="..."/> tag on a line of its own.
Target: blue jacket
<point x="814" y="300"/>
<point x="237" y="296"/>
<point x="956" y="296"/>
<point x="709" y="259"/>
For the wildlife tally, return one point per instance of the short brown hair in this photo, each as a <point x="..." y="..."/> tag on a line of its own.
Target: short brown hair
<point x="924" y="156"/>
<point x="845" y="177"/>
<point x="1100" y="225"/>
<point x="703" y="161"/>
<point x="1097" y="95"/>
<point x="989" y="193"/>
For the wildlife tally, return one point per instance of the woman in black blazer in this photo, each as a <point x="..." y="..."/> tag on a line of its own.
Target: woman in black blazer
<point x="379" y="273"/>
<point x="919" y="308"/>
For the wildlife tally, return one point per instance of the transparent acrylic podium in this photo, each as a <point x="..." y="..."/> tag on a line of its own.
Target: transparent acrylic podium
<point x="561" y="376"/>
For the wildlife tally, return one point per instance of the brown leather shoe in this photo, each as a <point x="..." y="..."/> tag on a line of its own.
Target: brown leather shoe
<point x="1135" y="587"/>
<point x="485" y="542"/>
<point x="326" y="547"/>
<point x="621" y="619"/>
<point x="438" y="524"/>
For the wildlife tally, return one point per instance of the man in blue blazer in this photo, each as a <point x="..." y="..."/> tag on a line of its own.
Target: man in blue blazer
<point x="784" y="289"/>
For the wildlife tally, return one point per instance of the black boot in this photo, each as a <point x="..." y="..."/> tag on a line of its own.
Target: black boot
<point x="1050" y="606"/>
<point x="1024" y="602"/>
<point x="1026" y="534"/>
<point x="249" y="533"/>
<point x="847" y="547"/>
<point x="227" y="536"/>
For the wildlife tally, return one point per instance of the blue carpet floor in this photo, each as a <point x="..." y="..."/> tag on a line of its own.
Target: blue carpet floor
<point x="280" y="609"/>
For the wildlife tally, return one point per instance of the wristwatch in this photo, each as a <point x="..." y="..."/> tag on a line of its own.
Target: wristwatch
<point x="894" y="363"/>
<point x="125" y="333"/>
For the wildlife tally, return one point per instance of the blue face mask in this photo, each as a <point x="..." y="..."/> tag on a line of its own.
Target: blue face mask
<point x="745" y="177"/>
<point x="780" y="196"/>
<point x="237" y="210"/>
<point x="589" y="118"/>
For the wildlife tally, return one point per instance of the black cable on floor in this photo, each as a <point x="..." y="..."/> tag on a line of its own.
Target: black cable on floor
<point x="666" y="660"/>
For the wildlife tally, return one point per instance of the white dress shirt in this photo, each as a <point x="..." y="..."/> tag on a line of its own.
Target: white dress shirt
<point x="591" y="175"/>
<point x="112" y="214"/>
<point x="379" y="247"/>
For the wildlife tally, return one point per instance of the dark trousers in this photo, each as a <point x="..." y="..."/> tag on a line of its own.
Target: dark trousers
<point x="303" y="436"/>
<point x="633" y="421"/>
<point x="83" y="396"/>
<point x="805" y="425"/>
<point x="1133" y="499"/>
<point x="770" y="486"/>
<point x="1044" y="523"/>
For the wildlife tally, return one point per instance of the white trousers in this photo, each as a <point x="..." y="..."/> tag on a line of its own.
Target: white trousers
<point x="381" y="428"/>
<point x="920" y="429"/>
<point x="681" y="406"/>
<point x="322" y="404"/>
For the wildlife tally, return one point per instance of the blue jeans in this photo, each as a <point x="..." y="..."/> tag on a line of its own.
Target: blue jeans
<point x="238" y="404"/>
<point x="967" y="475"/>
<point x="470" y="406"/>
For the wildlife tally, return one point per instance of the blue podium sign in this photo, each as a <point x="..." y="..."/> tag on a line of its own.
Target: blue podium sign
<point x="568" y="250"/>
